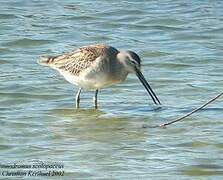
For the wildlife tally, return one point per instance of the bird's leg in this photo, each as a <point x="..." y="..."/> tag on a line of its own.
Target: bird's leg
<point x="95" y="99"/>
<point x="78" y="98"/>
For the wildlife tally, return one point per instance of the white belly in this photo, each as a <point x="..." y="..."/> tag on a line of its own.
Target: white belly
<point x="90" y="81"/>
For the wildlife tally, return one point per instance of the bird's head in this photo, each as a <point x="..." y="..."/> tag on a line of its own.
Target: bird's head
<point x="132" y="64"/>
<point x="130" y="60"/>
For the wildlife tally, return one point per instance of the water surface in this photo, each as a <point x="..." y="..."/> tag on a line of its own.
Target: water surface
<point x="180" y="44"/>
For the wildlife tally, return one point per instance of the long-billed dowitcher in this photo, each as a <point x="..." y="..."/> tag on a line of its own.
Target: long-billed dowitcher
<point x="97" y="66"/>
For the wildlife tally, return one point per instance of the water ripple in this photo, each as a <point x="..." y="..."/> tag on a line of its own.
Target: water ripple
<point x="26" y="43"/>
<point x="180" y="45"/>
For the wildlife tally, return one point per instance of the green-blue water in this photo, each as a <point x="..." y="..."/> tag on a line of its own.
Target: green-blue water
<point x="181" y="46"/>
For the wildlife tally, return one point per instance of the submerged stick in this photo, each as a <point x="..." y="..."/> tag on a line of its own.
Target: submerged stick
<point x="186" y="115"/>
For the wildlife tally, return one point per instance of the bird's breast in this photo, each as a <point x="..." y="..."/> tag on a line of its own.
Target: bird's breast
<point x="101" y="76"/>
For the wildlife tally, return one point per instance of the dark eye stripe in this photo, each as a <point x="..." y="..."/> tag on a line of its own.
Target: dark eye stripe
<point x="134" y="62"/>
<point x="135" y="57"/>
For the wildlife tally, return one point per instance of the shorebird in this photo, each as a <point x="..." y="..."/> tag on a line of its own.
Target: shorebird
<point x="97" y="66"/>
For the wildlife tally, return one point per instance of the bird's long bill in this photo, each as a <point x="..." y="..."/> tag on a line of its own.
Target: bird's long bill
<point x="147" y="86"/>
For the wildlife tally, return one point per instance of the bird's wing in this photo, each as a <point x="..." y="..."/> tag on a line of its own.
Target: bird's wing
<point x="78" y="60"/>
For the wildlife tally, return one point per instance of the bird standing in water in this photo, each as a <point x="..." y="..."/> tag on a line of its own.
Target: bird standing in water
<point x="97" y="66"/>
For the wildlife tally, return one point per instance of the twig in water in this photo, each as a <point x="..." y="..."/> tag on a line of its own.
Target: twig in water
<point x="186" y="115"/>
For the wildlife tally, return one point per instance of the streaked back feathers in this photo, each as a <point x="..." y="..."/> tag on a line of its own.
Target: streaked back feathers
<point x="78" y="60"/>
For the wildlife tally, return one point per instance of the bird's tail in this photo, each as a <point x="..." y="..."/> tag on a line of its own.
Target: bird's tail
<point x="45" y="61"/>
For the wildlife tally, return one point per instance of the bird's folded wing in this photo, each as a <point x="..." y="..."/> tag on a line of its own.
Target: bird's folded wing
<point x="77" y="61"/>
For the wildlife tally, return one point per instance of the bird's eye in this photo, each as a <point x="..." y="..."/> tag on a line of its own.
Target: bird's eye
<point x="133" y="62"/>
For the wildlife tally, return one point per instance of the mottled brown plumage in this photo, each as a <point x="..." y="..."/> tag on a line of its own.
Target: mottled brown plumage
<point x="78" y="60"/>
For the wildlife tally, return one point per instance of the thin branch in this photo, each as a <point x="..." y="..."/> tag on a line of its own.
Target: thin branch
<point x="186" y="115"/>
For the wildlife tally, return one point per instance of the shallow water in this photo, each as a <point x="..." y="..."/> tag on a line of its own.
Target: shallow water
<point x="180" y="44"/>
